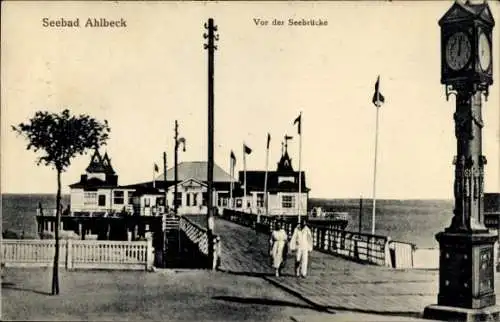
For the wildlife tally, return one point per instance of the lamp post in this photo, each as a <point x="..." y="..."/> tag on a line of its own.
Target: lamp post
<point x="178" y="141"/>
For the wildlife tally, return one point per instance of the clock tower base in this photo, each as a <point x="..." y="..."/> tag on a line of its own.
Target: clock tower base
<point x="451" y="313"/>
<point x="466" y="278"/>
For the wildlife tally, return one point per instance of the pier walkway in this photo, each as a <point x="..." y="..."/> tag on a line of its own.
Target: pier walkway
<point x="334" y="283"/>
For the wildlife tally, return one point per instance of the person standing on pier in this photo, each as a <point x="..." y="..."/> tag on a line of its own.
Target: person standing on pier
<point x="302" y="242"/>
<point x="277" y="247"/>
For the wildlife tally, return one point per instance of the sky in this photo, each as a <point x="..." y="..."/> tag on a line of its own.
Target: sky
<point x="143" y="77"/>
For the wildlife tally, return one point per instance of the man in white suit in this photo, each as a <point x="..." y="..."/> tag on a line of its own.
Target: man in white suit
<point x="302" y="242"/>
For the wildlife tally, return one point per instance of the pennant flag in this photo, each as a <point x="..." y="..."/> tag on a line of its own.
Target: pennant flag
<point x="247" y="149"/>
<point x="156" y="168"/>
<point x="233" y="158"/>
<point x="268" y="140"/>
<point x="378" y="98"/>
<point x="298" y="120"/>
<point x="288" y="137"/>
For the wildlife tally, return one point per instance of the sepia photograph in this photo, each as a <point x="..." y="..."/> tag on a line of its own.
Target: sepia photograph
<point x="250" y="160"/>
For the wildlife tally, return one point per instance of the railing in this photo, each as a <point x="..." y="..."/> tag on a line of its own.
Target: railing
<point x="199" y="237"/>
<point x="86" y="212"/>
<point x="361" y="247"/>
<point x="327" y="237"/>
<point x="402" y="254"/>
<point x="172" y="222"/>
<point x="271" y="211"/>
<point x="330" y="215"/>
<point x="121" y="211"/>
<point x="74" y="254"/>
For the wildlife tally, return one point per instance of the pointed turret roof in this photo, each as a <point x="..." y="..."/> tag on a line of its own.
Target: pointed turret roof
<point x="95" y="165"/>
<point x="285" y="163"/>
<point x="100" y="164"/>
<point x="106" y="162"/>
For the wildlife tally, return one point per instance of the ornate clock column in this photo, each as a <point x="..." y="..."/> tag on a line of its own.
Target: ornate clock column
<point x="466" y="263"/>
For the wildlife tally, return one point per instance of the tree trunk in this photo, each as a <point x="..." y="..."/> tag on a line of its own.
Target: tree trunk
<point x="55" y="271"/>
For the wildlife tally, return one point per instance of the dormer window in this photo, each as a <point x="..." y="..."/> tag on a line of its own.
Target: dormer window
<point x="287" y="178"/>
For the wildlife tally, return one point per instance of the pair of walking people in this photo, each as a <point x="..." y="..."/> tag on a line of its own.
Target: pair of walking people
<point x="301" y="242"/>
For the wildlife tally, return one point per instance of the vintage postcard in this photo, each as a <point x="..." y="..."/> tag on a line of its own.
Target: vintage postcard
<point x="240" y="160"/>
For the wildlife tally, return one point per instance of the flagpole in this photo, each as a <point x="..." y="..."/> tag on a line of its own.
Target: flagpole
<point x="165" y="179"/>
<point x="265" y="185"/>
<point x="244" y="178"/>
<point x="154" y="179"/>
<point x="231" y="171"/>
<point x="300" y="174"/>
<point x="375" y="174"/>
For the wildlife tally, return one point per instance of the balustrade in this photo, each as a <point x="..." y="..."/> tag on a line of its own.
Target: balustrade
<point x="198" y="236"/>
<point x="79" y="254"/>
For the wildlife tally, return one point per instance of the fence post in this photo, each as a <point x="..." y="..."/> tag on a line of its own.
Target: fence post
<point x="149" y="253"/>
<point x="69" y="254"/>
<point x="387" y="253"/>
<point x="215" y="252"/>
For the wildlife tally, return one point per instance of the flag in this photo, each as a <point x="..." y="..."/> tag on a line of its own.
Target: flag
<point x="156" y="168"/>
<point x="268" y="140"/>
<point x="288" y="137"/>
<point x="233" y="158"/>
<point x="378" y="98"/>
<point x="247" y="149"/>
<point x="298" y="120"/>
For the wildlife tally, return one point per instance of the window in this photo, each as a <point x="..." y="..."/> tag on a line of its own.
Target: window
<point x="160" y="201"/>
<point x="130" y="195"/>
<point x="90" y="198"/>
<point x="188" y="199"/>
<point x="281" y="179"/>
<point x="205" y="197"/>
<point x="238" y="203"/>
<point x="118" y="197"/>
<point x="222" y="199"/>
<point x="102" y="200"/>
<point x="260" y="200"/>
<point x="288" y="201"/>
<point x="178" y="199"/>
<point x="147" y="202"/>
<point x="195" y="199"/>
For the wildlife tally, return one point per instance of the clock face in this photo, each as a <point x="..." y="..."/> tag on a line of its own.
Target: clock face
<point x="458" y="51"/>
<point x="484" y="52"/>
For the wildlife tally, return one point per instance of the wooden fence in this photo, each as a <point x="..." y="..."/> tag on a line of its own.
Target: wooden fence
<point x="75" y="254"/>
<point x="402" y="254"/>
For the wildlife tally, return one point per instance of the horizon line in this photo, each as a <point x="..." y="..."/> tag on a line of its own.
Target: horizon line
<point x="312" y="197"/>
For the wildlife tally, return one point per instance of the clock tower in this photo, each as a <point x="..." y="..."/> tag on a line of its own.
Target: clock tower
<point x="466" y="262"/>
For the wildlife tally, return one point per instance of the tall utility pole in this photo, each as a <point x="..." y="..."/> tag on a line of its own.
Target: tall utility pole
<point x="212" y="37"/>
